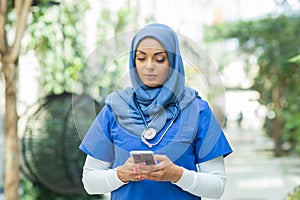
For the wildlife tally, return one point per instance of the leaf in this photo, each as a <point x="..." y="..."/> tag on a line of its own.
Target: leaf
<point x="295" y="59"/>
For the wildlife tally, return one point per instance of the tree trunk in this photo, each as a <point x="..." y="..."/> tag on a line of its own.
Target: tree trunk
<point x="277" y="136"/>
<point x="11" y="134"/>
<point x="9" y="58"/>
<point x="277" y="123"/>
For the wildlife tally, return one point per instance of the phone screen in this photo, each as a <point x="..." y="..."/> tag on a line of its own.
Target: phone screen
<point x="143" y="156"/>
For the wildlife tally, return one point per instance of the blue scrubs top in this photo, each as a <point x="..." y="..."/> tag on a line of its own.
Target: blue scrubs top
<point x="197" y="138"/>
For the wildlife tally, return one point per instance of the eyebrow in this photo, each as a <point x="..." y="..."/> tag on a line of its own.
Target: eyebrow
<point x="156" y="53"/>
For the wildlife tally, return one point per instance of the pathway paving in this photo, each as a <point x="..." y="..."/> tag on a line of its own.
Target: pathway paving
<point x="253" y="173"/>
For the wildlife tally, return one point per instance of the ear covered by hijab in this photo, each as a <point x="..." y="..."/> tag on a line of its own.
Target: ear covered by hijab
<point x="168" y="99"/>
<point x="173" y="88"/>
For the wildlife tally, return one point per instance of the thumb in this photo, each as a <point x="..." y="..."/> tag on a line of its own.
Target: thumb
<point x="160" y="157"/>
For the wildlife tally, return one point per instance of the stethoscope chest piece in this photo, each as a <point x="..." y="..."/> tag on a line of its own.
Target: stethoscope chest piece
<point x="149" y="133"/>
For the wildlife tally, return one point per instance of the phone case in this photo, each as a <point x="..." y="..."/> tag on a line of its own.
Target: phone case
<point x="143" y="156"/>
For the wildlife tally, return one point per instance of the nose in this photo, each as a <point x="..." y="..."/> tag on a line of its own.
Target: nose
<point x="150" y="64"/>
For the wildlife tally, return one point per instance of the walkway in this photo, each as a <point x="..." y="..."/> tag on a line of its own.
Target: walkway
<point x="253" y="173"/>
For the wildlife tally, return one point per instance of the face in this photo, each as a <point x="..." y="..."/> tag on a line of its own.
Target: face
<point x="152" y="62"/>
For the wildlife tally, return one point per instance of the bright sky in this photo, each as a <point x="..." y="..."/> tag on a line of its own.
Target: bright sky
<point x="188" y="16"/>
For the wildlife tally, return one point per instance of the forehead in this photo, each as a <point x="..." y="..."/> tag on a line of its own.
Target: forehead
<point x="150" y="43"/>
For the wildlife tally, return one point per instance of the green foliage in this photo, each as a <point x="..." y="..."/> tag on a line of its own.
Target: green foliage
<point x="295" y="195"/>
<point x="291" y="114"/>
<point x="295" y="59"/>
<point x="275" y="42"/>
<point x="57" y="38"/>
<point x="109" y="25"/>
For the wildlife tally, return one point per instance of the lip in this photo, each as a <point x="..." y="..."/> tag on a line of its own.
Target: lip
<point x="149" y="76"/>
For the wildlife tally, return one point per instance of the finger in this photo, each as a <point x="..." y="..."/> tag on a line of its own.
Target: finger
<point x="140" y="177"/>
<point x="164" y="161"/>
<point x="137" y="174"/>
<point x="160" y="157"/>
<point x="148" y="168"/>
<point x="137" y="178"/>
<point x="139" y="168"/>
<point x="155" y="176"/>
<point x="130" y="160"/>
<point x="135" y="170"/>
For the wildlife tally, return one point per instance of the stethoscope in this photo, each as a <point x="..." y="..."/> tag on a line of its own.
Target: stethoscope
<point x="150" y="133"/>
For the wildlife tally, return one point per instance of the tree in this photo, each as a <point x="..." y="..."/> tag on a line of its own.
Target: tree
<point x="13" y="19"/>
<point x="274" y="41"/>
<point x="58" y="42"/>
<point x="9" y="63"/>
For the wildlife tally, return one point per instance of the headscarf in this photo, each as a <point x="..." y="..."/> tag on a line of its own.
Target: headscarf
<point x="166" y="100"/>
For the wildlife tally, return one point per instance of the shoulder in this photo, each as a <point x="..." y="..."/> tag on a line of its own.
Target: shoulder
<point x="106" y="113"/>
<point x="198" y="110"/>
<point x="119" y="94"/>
<point x="200" y="104"/>
<point x="115" y="101"/>
<point x="119" y="100"/>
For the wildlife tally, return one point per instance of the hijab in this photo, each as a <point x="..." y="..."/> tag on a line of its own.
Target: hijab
<point x="158" y="104"/>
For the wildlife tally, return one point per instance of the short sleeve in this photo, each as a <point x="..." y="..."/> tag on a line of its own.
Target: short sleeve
<point x="211" y="141"/>
<point x="97" y="141"/>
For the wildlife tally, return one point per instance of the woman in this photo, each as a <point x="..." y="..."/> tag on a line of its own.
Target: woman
<point x="162" y="115"/>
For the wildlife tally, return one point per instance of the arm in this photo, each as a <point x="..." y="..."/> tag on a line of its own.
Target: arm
<point x="98" y="178"/>
<point x="209" y="182"/>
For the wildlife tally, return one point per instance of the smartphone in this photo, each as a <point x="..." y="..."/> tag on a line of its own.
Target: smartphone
<point x="143" y="156"/>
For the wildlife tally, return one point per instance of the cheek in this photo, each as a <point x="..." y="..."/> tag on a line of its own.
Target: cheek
<point x="165" y="73"/>
<point x="138" y="70"/>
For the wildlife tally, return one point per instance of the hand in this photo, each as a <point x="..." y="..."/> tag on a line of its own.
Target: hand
<point x="129" y="171"/>
<point x="165" y="170"/>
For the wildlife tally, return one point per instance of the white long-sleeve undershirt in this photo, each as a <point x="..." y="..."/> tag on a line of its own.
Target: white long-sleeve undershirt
<point x="208" y="182"/>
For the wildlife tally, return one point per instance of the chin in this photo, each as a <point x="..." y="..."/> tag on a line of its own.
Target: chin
<point x="153" y="85"/>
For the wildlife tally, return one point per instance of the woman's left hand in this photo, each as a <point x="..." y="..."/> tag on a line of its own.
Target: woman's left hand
<point x="165" y="170"/>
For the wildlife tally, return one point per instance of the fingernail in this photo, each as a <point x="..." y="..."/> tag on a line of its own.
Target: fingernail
<point x="140" y="177"/>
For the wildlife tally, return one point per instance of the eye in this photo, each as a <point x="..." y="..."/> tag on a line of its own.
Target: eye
<point x="160" y="59"/>
<point x="140" y="58"/>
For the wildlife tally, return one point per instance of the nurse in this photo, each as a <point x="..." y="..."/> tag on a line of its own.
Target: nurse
<point x="158" y="113"/>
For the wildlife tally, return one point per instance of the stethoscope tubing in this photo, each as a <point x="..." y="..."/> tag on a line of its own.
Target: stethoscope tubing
<point x="147" y="125"/>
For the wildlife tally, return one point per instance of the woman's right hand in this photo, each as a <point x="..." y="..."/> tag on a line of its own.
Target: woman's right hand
<point x="129" y="171"/>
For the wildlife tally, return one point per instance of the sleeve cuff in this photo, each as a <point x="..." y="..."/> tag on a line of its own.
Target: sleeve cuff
<point x="186" y="179"/>
<point x="113" y="179"/>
